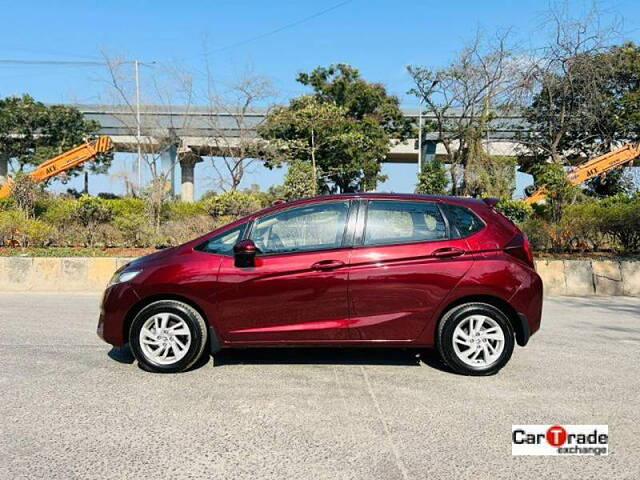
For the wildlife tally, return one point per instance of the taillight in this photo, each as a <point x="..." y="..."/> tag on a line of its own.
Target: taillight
<point x="519" y="247"/>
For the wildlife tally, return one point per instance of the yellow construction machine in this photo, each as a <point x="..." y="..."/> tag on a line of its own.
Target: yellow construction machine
<point x="65" y="161"/>
<point x="593" y="168"/>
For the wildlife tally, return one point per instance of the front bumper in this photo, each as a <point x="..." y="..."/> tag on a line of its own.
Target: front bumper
<point x="117" y="301"/>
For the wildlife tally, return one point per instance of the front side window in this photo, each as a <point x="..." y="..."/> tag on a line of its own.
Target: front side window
<point x="391" y="222"/>
<point x="311" y="227"/>
<point x="223" y="242"/>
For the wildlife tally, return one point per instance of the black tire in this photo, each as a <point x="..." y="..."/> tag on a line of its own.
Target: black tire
<point x="447" y="326"/>
<point x="195" y="323"/>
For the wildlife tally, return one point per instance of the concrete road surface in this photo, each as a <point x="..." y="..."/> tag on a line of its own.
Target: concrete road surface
<point x="70" y="408"/>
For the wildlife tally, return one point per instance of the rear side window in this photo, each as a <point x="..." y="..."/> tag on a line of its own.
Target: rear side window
<point x="391" y="222"/>
<point x="462" y="221"/>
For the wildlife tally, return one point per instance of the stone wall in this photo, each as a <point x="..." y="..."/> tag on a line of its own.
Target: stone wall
<point x="81" y="274"/>
<point x="582" y="278"/>
<point x="55" y="274"/>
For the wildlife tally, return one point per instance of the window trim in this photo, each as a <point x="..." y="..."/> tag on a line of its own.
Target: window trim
<point x="365" y="220"/>
<point x="478" y="217"/>
<point x="345" y="233"/>
<point x="200" y="247"/>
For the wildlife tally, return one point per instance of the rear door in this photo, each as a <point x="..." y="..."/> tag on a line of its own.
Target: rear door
<point x="405" y="265"/>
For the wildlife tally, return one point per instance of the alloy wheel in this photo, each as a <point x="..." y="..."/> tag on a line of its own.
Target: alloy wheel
<point x="165" y="338"/>
<point x="478" y="341"/>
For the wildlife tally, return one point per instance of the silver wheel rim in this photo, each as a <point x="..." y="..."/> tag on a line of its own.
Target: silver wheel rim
<point x="478" y="341"/>
<point x="165" y="339"/>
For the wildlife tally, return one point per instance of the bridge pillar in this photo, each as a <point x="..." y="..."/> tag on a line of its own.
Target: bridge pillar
<point x="4" y="168"/>
<point x="168" y="160"/>
<point x="188" y="162"/>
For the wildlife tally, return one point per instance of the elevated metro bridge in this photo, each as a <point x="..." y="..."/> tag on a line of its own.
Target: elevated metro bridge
<point x="199" y="129"/>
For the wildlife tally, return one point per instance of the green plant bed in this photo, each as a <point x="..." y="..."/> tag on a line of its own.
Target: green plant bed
<point x="74" y="252"/>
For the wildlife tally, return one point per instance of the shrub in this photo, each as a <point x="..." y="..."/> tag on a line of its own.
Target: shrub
<point x="126" y="206"/>
<point x="515" y="210"/>
<point x="586" y="221"/>
<point x="620" y="218"/>
<point x="233" y="204"/>
<point x="7" y="204"/>
<point x="35" y="232"/>
<point x="16" y="229"/>
<point x="25" y="192"/>
<point x="187" y="228"/>
<point x="108" y="196"/>
<point x="89" y="213"/>
<point x="59" y="211"/>
<point x="178" y="210"/>
<point x="135" y="230"/>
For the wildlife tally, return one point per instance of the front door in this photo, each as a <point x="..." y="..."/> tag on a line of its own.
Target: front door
<point x="404" y="268"/>
<point x="297" y="291"/>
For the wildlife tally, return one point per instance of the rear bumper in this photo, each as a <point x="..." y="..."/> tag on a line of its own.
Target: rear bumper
<point x="527" y="302"/>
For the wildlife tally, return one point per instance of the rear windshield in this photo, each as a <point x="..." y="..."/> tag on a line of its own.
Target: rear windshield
<point x="462" y="221"/>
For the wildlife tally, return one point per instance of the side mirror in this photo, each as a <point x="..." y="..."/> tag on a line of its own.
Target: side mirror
<point x="244" y="253"/>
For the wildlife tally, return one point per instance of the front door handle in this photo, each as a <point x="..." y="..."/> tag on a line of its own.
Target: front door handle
<point x="327" y="265"/>
<point x="448" y="252"/>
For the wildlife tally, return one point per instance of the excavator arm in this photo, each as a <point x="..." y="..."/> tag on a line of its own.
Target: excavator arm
<point x="65" y="161"/>
<point x="594" y="167"/>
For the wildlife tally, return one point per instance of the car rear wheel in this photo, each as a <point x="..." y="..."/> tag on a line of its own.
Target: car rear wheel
<point x="168" y="336"/>
<point x="475" y="339"/>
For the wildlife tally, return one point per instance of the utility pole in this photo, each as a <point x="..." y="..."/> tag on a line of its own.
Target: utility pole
<point x="420" y="137"/>
<point x="138" y="140"/>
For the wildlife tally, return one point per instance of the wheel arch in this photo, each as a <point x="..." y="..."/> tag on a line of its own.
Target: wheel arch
<point x="214" y="343"/>
<point x="520" y="327"/>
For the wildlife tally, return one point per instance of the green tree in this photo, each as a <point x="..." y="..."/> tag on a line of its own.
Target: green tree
<point x="433" y="178"/>
<point x="586" y="97"/>
<point x="299" y="181"/>
<point x="491" y="176"/>
<point x="342" y="84"/>
<point x="343" y="128"/>
<point x="463" y="100"/>
<point x="32" y="132"/>
<point x="345" y="153"/>
<point x="560" y="193"/>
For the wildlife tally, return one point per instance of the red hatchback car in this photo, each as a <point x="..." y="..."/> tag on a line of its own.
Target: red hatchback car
<point x="343" y="270"/>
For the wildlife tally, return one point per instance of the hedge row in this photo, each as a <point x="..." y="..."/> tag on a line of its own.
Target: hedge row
<point x="611" y="224"/>
<point x="64" y="221"/>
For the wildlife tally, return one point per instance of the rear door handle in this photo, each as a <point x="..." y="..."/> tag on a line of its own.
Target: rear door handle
<point x="327" y="265"/>
<point x="448" y="252"/>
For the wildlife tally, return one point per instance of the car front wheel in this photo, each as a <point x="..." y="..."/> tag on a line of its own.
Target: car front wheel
<point x="168" y="336"/>
<point x="475" y="339"/>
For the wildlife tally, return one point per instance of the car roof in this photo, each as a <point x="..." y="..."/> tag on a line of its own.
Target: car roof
<point x="468" y="201"/>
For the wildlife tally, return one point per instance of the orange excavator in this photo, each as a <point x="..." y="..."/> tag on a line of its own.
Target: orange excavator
<point x="65" y="161"/>
<point x="593" y="168"/>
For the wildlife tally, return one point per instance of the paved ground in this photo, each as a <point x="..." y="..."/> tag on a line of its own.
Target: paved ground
<point x="71" y="409"/>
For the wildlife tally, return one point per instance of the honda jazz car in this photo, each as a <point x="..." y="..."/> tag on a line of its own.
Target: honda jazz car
<point x="342" y="270"/>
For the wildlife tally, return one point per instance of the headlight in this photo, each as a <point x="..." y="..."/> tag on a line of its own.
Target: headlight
<point x="126" y="276"/>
